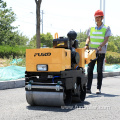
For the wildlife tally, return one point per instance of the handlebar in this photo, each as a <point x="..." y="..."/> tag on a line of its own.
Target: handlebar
<point x="97" y="51"/>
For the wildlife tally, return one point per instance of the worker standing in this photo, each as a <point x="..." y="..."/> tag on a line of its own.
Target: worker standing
<point x="97" y="38"/>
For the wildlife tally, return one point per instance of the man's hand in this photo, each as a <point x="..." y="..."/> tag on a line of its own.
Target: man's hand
<point x="86" y="47"/>
<point x="87" y="43"/>
<point x="105" y="41"/>
<point x="99" y="48"/>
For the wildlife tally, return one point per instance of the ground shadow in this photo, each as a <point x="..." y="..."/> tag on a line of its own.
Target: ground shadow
<point x="73" y="106"/>
<point x="101" y="95"/>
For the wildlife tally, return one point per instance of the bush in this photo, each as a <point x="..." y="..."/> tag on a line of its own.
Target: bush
<point x="14" y="51"/>
<point x="112" y="47"/>
<point x="112" y="57"/>
<point x="82" y="44"/>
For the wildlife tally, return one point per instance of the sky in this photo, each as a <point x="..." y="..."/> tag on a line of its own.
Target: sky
<point x="61" y="16"/>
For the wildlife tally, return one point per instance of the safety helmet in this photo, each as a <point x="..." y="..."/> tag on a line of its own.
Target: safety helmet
<point x="99" y="13"/>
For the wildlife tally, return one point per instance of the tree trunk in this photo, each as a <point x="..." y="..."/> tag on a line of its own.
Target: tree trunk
<point x="38" y="42"/>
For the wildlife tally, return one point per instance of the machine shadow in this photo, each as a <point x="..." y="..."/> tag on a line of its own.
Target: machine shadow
<point x="73" y="106"/>
<point x="101" y="95"/>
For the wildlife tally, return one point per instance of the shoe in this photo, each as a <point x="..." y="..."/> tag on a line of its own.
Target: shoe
<point x="88" y="91"/>
<point x="98" y="91"/>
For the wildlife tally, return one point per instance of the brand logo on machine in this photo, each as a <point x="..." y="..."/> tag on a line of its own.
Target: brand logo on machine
<point x="61" y="44"/>
<point x="42" y="54"/>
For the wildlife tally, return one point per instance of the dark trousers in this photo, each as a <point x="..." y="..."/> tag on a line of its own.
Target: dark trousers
<point x="90" y="69"/>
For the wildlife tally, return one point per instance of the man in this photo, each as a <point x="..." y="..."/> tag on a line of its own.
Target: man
<point x="97" y="38"/>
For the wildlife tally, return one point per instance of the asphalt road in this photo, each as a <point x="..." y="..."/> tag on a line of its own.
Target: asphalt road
<point x="106" y="106"/>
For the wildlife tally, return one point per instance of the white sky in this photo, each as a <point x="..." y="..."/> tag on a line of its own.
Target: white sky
<point x="63" y="15"/>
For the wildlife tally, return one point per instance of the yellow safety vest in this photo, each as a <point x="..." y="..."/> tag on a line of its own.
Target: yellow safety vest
<point x="97" y="36"/>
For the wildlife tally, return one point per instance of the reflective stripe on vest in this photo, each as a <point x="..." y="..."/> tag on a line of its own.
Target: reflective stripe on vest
<point x="96" y="43"/>
<point x="97" y="33"/>
<point x="97" y="36"/>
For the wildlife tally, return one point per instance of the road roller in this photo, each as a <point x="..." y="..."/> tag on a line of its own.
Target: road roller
<point x="56" y="76"/>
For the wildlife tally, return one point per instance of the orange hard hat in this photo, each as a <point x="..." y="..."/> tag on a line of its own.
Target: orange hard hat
<point x="99" y="13"/>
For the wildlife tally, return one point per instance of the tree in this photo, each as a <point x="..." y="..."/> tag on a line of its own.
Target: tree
<point x="38" y="3"/>
<point x="114" y="43"/>
<point x="7" y="16"/>
<point x="7" y="36"/>
<point x="82" y="36"/>
<point x="112" y="47"/>
<point x="46" y="39"/>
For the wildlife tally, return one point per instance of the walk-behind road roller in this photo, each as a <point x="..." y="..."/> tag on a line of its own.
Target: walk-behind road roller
<point x="56" y="76"/>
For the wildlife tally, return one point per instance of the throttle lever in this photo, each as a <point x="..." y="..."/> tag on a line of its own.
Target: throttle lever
<point x="96" y="56"/>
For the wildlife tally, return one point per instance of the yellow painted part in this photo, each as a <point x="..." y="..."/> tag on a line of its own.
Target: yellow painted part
<point x="60" y="44"/>
<point x="89" y="54"/>
<point x="81" y="52"/>
<point x="57" y="61"/>
<point x="56" y="35"/>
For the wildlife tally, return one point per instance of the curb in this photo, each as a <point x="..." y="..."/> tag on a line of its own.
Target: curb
<point x="12" y="84"/>
<point x="21" y="82"/>
<point x="107" y="74"/>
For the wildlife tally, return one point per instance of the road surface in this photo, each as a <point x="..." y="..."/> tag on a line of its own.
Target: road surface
<point x="106" y="106"/>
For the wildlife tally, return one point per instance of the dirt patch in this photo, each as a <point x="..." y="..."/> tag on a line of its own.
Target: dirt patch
<point x="3" y="62"/>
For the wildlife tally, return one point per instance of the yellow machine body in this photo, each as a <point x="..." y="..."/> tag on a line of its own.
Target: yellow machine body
<point x="89" y="55"/>
<point x="56" y="76"/>
<point x="57" y="59"/>
<point x="81" y="52"/>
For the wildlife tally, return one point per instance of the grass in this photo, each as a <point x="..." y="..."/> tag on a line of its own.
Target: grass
<point x="22" y="63"/>
<point x="4" y="62"/>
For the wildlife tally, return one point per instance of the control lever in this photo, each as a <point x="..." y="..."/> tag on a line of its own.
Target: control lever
<point x="96" y="56"/>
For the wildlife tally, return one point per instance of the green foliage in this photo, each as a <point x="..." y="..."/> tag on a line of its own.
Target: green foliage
<point x="82" y="45"/>
<point x="112" y="47"/>
<point x="13" y="51"/>
<point x="112" y="57"/>
<point x="15" y="39"/>
<point x="22" y="63"/>
<point x="46" y="39"/>
<point x="7" y="36"/>
<point x="114" y="44"/>
<point x="7" y="17"/>
<point x="81" y="36"/>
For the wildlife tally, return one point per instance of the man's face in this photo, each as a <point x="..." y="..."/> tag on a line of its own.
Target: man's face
<point x="98" y="19"/>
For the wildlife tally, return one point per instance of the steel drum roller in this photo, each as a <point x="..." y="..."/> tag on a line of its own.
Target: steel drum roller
<point x="45" y="98"/>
